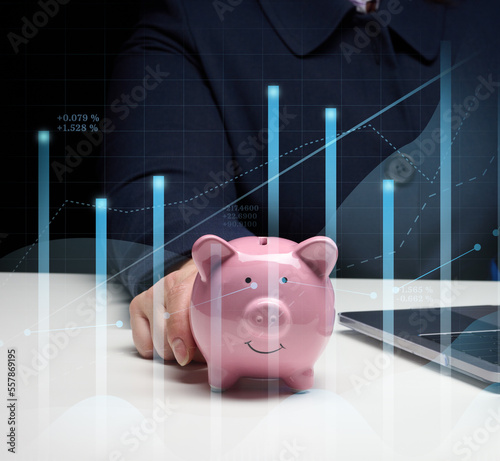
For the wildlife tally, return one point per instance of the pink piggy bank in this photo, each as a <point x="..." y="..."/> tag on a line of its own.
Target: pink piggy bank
<point x="262" y="307"/>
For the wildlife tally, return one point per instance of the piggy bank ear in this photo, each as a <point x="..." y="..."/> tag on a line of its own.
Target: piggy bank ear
<point x="319" y="253"/>
<point x="210" y="251"/>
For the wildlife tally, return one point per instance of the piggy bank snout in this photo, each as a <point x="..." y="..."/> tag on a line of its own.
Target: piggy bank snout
<point x="267" y="317"/>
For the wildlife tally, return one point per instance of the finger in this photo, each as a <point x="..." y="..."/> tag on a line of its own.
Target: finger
<point x="157" y="320"/>
<point x="178" y="290"/>
<point x="141" y="332"/>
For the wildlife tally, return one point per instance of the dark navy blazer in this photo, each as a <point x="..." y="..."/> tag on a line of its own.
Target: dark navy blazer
<point x="188" y="100"/>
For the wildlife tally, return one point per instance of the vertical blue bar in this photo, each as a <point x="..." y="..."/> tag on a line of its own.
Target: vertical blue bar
<point x="158" y="288"/>
<point x="101" y="294"/>
<point x="445" y="162"/>
<point x="43" y="283"/>
<point x="158" y="227"/>
<point x="273" y="93"/>
<point x="43" y="202"/>
<point x="388" y="229"/>
<point x="43" y="230"/>
<point x="445" y="190"/>
<point x="388" y="254"/>
<point x="331" y="173"/>
<point x="101" y="335"/>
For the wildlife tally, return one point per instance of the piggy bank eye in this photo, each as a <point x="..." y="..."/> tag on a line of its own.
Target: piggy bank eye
<point x="283" y="280"/>
<point x="248" y="280"/>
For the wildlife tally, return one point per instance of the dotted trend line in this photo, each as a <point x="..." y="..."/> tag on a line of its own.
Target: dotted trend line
<point x="453" y="140"/>
<point x="418" y="216"/>
<point x="118" y="210"/>
<point x="399" y="152"/>
<point x="35" y="242"/>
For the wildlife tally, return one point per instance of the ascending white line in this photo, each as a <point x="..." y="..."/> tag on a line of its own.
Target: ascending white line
<point x="458" y="332"/>
<point x="476" y="247"/>
<point x="118" y="324"/>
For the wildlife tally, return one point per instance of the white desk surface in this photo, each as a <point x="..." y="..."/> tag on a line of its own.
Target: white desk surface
<point x="365" y="405"/>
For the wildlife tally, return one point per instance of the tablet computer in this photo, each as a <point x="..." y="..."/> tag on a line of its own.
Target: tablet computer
<point x="463" y="338"/>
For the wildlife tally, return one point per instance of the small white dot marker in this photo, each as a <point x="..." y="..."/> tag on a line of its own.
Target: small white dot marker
<point x="395" y="289"/>
<point x="253" y="285"/>
<point x="27" y="332"/>
<point x="373" y="295"/>
<point x="119" y="324"/>
<point x="166" y="315"/>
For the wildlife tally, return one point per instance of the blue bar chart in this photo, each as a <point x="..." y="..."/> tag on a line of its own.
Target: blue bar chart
<point x="273" y="160"/>
<point x="331" y="174"/>
<point x="43" y="271"/>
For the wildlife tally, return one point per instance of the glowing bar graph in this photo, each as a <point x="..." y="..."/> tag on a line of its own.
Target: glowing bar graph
<point x="101" y="334"/>
<point x="388" y="255"/>
<point x="445" y="188"/>
<point x="215" y="366"/>
<point x="101" y="293"/>
<point x="331" y="174"/>
<point x="43" y="281"/>
<point x="445" y="162"/>
<point x="158" y="226"/>
<point x="388" y="314"/>
<point x="158" y="289"/>
<point x="445" y="185"/>
<point x="273" y="159"/>
<point x="273" y="123"/>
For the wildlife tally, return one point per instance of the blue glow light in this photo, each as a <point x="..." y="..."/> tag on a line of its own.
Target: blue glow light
<point x="43" y="136"/>
<point x="273" y="91"/>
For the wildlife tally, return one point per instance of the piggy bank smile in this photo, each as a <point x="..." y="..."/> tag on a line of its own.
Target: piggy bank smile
<point x="264" y="352"/>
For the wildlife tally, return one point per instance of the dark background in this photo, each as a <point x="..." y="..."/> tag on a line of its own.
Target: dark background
<point x="63" y="69"/>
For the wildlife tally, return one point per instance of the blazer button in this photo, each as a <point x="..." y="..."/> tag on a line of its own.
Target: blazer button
<point x="399" y="167"/>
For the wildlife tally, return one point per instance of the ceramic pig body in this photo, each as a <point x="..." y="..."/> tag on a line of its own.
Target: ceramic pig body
<point x="262" y="307"/>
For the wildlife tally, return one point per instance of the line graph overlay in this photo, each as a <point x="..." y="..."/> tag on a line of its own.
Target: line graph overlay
<point x="243" y="196"/>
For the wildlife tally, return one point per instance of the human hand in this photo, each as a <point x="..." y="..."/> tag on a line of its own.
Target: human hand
<point x="171" y="337"/>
